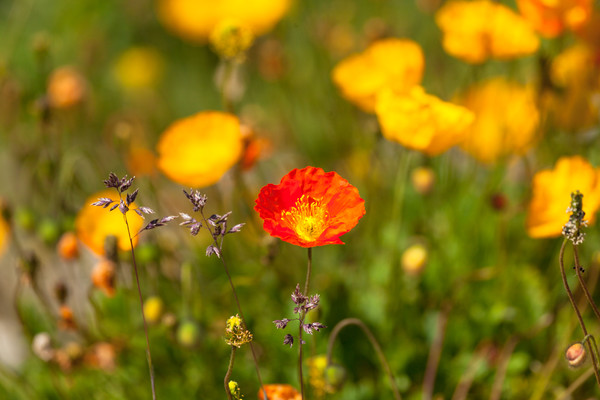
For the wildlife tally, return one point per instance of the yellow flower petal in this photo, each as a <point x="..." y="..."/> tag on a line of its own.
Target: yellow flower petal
<point x="393" y="63"/>
<point x="420" y="121"/>
<point x="94" y="224"/>
<point x="477" y="30"/>
<point x="506" y="119"/>
<point x="197" y="151"/>
<point x="196" y="19"/>
<point x="552" y="195"/>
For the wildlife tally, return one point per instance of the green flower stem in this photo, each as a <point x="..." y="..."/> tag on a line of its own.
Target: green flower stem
<point x="302" y="316"/>
<point x="355" y="321"/>
<point x="137" y="280"/>
<point x="435" y="353"/>
<point x="582" y="283"/>
<point x="572" y="300"/>
<point x="237" y="302"/>
<point x="228" y="374"/>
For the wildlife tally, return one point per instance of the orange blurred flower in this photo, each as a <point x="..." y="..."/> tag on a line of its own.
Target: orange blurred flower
<point x="420" y="121"/>
<point x="552" y="17"/>
<point x="67" y="247"/>
<point x="104" y="276"/>
<point x="67" y="319"/>
<point x="66" y="87"/>
<point x="506" y="119"/>
<point x="195" y="20"/>
<point x="310" y="207"/>
<point x="197" y="151"/>
<point x="141" y="161"/>
<point x="475" y="31"/>
<point x="278" y="391"/>
<point x="94" y="224"/>
<point x="4" y="234"/>
<point x="552" y="194"/>
<point x="390" y="63"/>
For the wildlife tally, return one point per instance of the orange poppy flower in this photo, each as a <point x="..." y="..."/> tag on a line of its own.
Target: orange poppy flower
<point x="552" y="195"/>
<point x="310" y="207"/>
<point x="278" y="391"/>
<point x="94" y="224"/>
<point x="550" y="18"/>
<point x="196" y="151"/>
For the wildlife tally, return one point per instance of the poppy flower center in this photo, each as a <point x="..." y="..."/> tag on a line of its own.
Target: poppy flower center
<point x="308" y="218"/>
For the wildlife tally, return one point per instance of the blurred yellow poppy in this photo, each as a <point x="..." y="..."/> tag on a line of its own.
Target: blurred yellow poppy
<point x="94" y="224"/>
<point x="394" y="63"/>
<point x="196" y="151"/>
<point x="195" y="20"/>
<point x="475" y="31"/>
<point x="506" y="119"/>
<point x="139" y="67"/>
<point x="552" y="195"/>
<point x="420" y="121"/>
<point x="552" y="17"/>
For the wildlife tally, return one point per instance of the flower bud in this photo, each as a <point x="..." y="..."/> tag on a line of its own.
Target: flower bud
<point x="188" y="334"/>
<point x="66" y="87"/>
<point x="575" y="355"/>
<point x="414" y="259"/>
<point x="153" y="309"/>
<point x="67" y="246"/>
<point x="423" y="179"/>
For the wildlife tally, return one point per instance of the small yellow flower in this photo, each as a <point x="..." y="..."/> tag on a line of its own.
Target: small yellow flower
<point x="552" y="194"/>
<point x="94" y="224"/>
<point x="197" y="151"/>
<point x="423" y="180"/>
<point x="153" y="309"/>
<point x="475" y="31"/>
<point x="506" y="119"/>
<point x="235" y="333"/>
<point x="420" y="121"/>
<point x="195" y="20"/>
<point x="389" y="63"/>
<point x="230" y="39"/>
<point x="414" y="259"/>
<point x="234" y="322"/>
<point x="139" y="67"/>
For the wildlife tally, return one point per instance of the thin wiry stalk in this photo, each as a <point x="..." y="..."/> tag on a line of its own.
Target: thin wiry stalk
<point x="237" y="302"/>
<point x="355" y="321"/>
<point x="306" y="286"/>
<point x="582" y="283"/>
<point x="572" y="300"/>
<point x="228" y="374"/>
<point x="137" y="280"/>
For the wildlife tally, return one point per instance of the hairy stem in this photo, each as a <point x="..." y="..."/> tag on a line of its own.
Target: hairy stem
<point x="582" y="283"/>
<point x="302" y="316"/>
<point x="355" y="321"/>
<point x="237" y="302"/>
<point x="229" y="371"/>
<point x="574" y="304"/>
<point x="137" y="280"/>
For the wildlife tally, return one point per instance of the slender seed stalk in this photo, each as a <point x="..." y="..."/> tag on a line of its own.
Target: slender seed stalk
<point x="137" y="279"/>
<point x="302" y="316"/>
<point x="582" y="283"/>
<point x="228" y="374"/>
<point x="574" y="304"/>
<point x="238" y="304"/>
<point x="435" y="353"/>
<point x="355" y="321"/>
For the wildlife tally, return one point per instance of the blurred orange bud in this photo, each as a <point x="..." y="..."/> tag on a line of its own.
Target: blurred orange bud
<point x="67" y="246"/>
<point x="576" y="355"/>
<point x="277" y="391"/>
<point x="66" y="87"/>
<point x="141" y="161"/>
<point x="423" y="179"/>
<point x="104" y="276"/>
<point x="67" y="320"/>
<point x="101" y="355"/>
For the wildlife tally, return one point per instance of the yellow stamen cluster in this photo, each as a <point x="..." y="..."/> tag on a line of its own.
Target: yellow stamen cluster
<point x="230" y="40"/>
<point x="235" y="332"/>
<point x="308" y="218"/>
